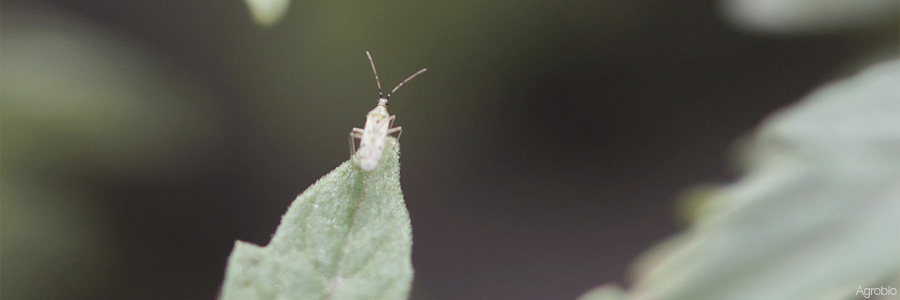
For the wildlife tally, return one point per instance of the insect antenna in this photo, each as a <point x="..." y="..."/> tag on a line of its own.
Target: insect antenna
<point x="404" y="81"/>
<point x="376" y="75"/>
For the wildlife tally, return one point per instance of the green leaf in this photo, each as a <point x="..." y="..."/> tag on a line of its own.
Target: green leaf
<point x="814" y="217"/>
<point x="348" y="236"/>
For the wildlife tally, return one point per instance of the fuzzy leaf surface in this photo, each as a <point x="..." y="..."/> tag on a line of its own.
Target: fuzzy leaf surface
<point x="348" y="236"/>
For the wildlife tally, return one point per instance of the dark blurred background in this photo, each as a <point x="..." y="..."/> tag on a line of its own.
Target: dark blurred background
<point x="544" y="150"/>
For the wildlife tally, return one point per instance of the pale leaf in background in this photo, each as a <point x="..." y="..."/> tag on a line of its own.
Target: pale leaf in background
<point x="814" y="217"/>
<point x="268" y="12"/>
<point x="808" y="16"/>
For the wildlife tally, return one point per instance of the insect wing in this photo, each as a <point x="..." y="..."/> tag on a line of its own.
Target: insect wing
<point x="371" y="145"/>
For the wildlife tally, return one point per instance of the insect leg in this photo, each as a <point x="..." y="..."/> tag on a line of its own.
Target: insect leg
<point x="356" y="133"/>
<point x="395" y="129"/>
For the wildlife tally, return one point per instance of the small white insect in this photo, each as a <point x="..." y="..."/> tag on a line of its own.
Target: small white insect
<point x="378" y="126"/>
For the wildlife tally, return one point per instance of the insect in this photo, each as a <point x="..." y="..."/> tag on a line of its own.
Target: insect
<point x="378" y="126"/>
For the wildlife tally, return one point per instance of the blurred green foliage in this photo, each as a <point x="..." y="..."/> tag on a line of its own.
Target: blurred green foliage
<point x="814" y="217"/>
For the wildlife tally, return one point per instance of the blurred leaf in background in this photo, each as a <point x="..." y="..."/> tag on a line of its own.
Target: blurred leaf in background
<point x="809" y="16"/>
<point x="815" y="217"/>
<point x="85" y="106"/>
<point x="815" y="214"/>
<point x="267" y="13"/>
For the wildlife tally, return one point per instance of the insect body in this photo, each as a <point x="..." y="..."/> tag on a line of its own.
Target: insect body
<point x="378" y="126"/>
